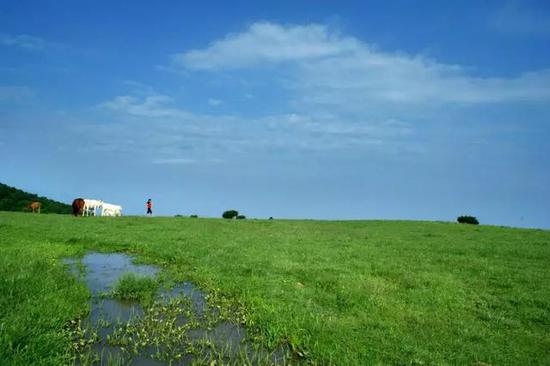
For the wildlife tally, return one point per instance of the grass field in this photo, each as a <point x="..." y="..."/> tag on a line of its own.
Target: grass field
<point x="337" y="292"/>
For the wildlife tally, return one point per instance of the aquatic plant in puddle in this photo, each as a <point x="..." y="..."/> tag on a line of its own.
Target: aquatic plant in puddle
<point x="133" y="287"/>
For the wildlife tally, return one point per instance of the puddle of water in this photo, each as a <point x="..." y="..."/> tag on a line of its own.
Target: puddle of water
<point x="173" y="331"/>
<point x="225" y="335"/>
<point x="106" y="313"/>
<point x="103" y="270"/>
<point x="187" y="289"/>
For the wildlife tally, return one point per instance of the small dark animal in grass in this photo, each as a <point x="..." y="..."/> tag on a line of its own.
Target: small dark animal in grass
<point x="78" y="206"/>
<point x="35" y="206"/>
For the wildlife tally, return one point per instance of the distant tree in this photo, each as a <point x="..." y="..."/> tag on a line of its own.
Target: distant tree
<point x="271" y="217"/>
<point x="241" y="217"/>
<point x="178" y="215"/>
<point x="230" y="214"/>
<point x="194" y="216"/>
<point x="467" y="220"/>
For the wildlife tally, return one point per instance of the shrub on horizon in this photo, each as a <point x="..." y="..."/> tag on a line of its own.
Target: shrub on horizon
<point x="467" y="220"/>
<point x="241" y="217"/>
<point x="194" y="216"/>
<point x="230" y="214"/>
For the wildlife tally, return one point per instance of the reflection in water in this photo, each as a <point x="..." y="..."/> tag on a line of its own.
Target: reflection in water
<point x="103" y="270"/>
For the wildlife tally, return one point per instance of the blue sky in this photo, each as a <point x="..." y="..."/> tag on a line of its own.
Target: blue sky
<point x="294" y="109"/>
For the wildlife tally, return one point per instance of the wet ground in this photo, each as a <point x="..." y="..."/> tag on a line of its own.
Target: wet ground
<point x="177" y="327"/>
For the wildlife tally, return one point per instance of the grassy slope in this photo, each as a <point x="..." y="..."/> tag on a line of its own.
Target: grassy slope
<point x="346" y="292"/>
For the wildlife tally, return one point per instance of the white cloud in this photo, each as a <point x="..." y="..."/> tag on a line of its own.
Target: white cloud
<point x="343" y="95"/>
<point x="402" y="80"/>
<point x="333" y="69"/>
<point x="214" y="102"/>
<point x="208" y="135"/>
<point x="138" y="88"/>
<point x="267" y="42"/>
<point x="152" y="106"/>
<point x="186" y="161"/>
<point x="23" y="41"/>
<point x="174" y="161"/>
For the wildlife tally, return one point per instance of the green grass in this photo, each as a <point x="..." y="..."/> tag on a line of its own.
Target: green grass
<point x="133" y="287"/>
<point x="363" y="292"/>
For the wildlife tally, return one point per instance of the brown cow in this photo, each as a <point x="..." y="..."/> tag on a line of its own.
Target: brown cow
<point x="78" y="206"/>
<point x="35" y="206"/>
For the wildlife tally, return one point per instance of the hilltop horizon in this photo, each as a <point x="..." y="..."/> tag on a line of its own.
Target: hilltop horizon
<point x="34" y="196"/>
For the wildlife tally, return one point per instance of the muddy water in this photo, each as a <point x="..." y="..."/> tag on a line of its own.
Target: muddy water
<point x="224" y="340"/>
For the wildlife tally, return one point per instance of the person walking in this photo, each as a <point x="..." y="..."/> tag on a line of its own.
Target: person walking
<point x="149" y="205"/>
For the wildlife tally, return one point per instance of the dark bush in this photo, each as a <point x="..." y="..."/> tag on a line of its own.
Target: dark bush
<point x="271" y="217"/>
<point x="230" y="214"/>
<point x="467" y="220"/>
<point x="178" y="215"/>
<point x="241" y="217"/>
<point x="194" y="216"/>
